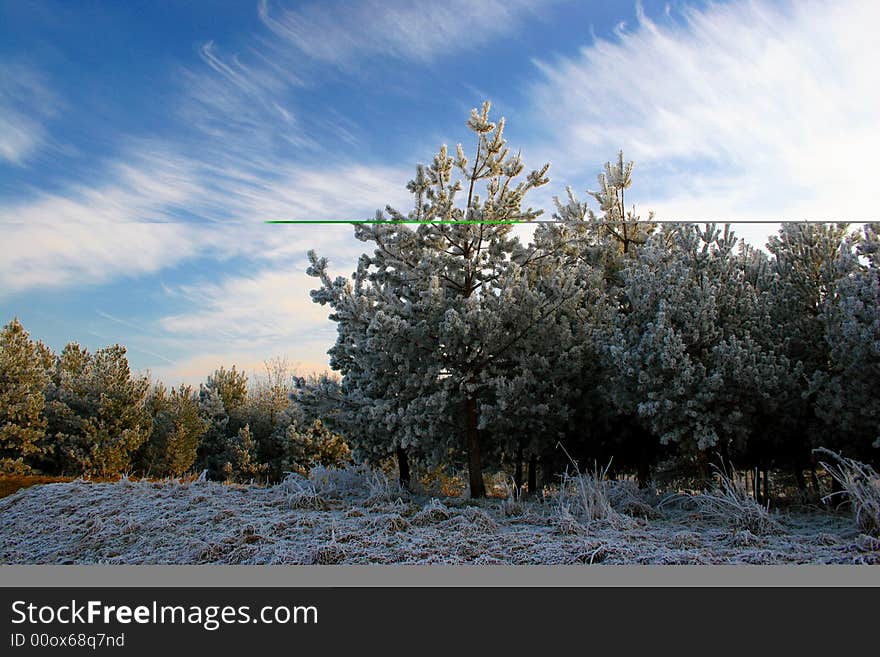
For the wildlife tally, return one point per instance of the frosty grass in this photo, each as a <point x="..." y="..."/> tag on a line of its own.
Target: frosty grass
<point x="353" y="516"/>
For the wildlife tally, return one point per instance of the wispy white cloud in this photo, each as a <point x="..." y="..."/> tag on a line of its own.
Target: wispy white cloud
<point x="26" y="104"/>
<point x="342" y="32"/>
<point x="244" y="319"/>
<point x="267" y="305"/>
<point x="267" y="310"/>
<point x="94" y="233"/>
<point x="128" y="228"/>
<point x="131" y="224"/>
<point x="241" y="105"/>
<point x="746" y="110"/>
<point x="159" y="203"/>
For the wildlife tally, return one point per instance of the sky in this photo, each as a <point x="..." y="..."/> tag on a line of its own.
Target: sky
<point x="144" y="144"/>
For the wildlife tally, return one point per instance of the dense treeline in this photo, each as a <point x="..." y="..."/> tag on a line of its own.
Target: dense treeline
<point x="662" y="347"/>
<point x="83" y="413"/>
<point x="611" y="335"/>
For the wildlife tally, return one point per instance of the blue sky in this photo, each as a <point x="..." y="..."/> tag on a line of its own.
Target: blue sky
<point x="142" y="144"/>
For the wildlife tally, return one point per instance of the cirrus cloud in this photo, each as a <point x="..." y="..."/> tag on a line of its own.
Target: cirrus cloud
<point x="747" y="110"/>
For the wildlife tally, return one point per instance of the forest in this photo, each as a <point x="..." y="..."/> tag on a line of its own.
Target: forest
<point x="651" y="350"/>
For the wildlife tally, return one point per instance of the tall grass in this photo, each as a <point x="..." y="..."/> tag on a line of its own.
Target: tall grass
<point x="861" y="488"/>
<point x="585" y="496"/>
<point x="729" y="503"/>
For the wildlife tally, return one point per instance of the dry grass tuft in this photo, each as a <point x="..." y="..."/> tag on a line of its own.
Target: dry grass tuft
<point x="392" y="522"/>
<point x="512" y="504"/>
<point x="329" y="553"/>
<point x="861" y="487"/>
<point x="626" y="497"/>
<point x="434" y="511"/>
<point x="300" y="493"/>
<point x="480" y="519"/>
<point x="730" y="503"/>
<point x="586" y="497"/>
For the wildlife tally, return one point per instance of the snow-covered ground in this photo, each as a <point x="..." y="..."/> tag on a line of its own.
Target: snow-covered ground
<point x="354" y="517"/>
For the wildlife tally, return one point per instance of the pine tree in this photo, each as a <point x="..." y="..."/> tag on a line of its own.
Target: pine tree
<point x="214" y="444"/>
<point x="592" y="250"/>
<point x="624" y="228"/>
<point x="428" y="314"/>
<point x="177" y="429"/>
<point x="242" y="464"/>
<point x="232" y="386"/>
<point x="23" y="379"/>
<point x="805" y="261"/>
<point x="848" y="392"/>
<point x="96" y="409"/>
<point x="269" y="412"/>
<point x="312" y="446"/>
<point x="683" y="357"/>
<point x="67" y="407"/>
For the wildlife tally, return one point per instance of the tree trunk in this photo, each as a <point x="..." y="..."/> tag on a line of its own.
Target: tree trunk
<point x="644" y="472"/>
<point x="703" y="469"/>
<point x="475" y="461"/>
<point x="814" y="479"/>
<point x="546" y="471"/>
<point x="799" y="478"/>
<point x="518" y="471"/>
<point x="403" y="467"/>
<point x="533" y="475"/>
<point x="766" y="499"/>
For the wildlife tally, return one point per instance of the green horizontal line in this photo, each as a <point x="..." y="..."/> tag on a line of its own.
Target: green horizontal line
<point x="385" y="221"/>
<point x="559" y="221"/>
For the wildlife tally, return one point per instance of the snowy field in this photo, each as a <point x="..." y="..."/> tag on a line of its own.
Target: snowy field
<point x="358" y="517"/>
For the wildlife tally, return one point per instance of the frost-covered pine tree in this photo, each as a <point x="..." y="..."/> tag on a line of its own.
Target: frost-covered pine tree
<point x="23" y="380"/>
<point x="848" y="398"/>
<point x="313" y="445"/>
<point x="223" y="402"/>
<point x="232" y="386"/>
<point x="682" y="357"/>
<point x="96" y="411"/>
<point x="242" y="464"/>
<point x="580" y="235"/>
<point x="531" y="395"/>
<point x="591" y="250"/>
<point x="211" y="452"/>
<point x="428" y="313"/>
<point x="622" y="227"/>
<point x="170" y="450"/>
<point x="269" y="412"/>
<point x="806" y="263"/>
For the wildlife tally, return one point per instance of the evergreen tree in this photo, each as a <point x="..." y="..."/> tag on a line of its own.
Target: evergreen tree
<point x="269" y="412"/>
<point x="99" y="417"/>
<point x="214" y="445"/>
<point x="67" y="407"/>
<point x="23" y="379"/>
<point x="176" y="432"/>
<point x="592" y="250"/>
<point x="848" y="392"/>
<point x="682" y="356"/>
<point x="805" y="264"/>
<point x="429" y="313"/>
<point x="312" y="446"/>
<point x="242" y="464"/>
<point x="232" y="386"/>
